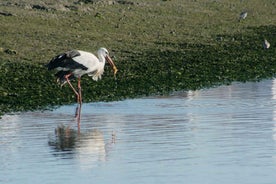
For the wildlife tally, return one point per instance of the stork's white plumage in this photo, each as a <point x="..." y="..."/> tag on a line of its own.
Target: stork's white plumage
<point x="76" y="63"/>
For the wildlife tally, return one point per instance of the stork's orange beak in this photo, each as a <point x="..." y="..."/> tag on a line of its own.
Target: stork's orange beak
<point x="115" y="70"/>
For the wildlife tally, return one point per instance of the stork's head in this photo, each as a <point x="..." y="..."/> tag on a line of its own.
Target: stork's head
<point x="103" y="52"/>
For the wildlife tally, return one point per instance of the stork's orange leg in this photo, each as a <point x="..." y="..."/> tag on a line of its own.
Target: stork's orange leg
<point x="79" y="92"/>
<point x="75" y="91"/>
<point x="78" y="110"/>
<point x="79" y="98"/>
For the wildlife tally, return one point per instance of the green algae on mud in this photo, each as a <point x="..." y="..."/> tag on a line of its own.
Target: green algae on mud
<point x="179" y="66"/>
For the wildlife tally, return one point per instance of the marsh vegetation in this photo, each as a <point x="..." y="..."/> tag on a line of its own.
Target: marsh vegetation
<point x="158" y="46"/>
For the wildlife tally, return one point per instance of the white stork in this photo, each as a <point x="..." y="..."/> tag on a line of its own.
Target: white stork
<point x="75" y="63"/>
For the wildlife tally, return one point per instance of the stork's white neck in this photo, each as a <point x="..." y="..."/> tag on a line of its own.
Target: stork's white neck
<point x="101" y="58"/>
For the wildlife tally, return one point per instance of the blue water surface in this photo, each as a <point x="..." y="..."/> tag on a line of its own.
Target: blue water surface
<point x="220" y="135"/>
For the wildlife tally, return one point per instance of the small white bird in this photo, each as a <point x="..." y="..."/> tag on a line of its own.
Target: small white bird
<point x="266" y="44"/>
<point x="243" y="15"/>
<point x="74" y="64"/>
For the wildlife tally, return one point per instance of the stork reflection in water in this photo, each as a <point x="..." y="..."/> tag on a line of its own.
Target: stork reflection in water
<point x="88" y="148"/>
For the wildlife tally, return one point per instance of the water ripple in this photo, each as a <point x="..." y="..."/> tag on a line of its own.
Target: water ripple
<point x="219" y="135"/>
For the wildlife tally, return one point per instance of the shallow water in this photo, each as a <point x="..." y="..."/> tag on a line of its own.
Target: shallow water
<point x="220" y="135"/>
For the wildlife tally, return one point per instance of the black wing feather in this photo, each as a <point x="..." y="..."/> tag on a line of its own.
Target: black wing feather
<point x="66" y="61"/>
